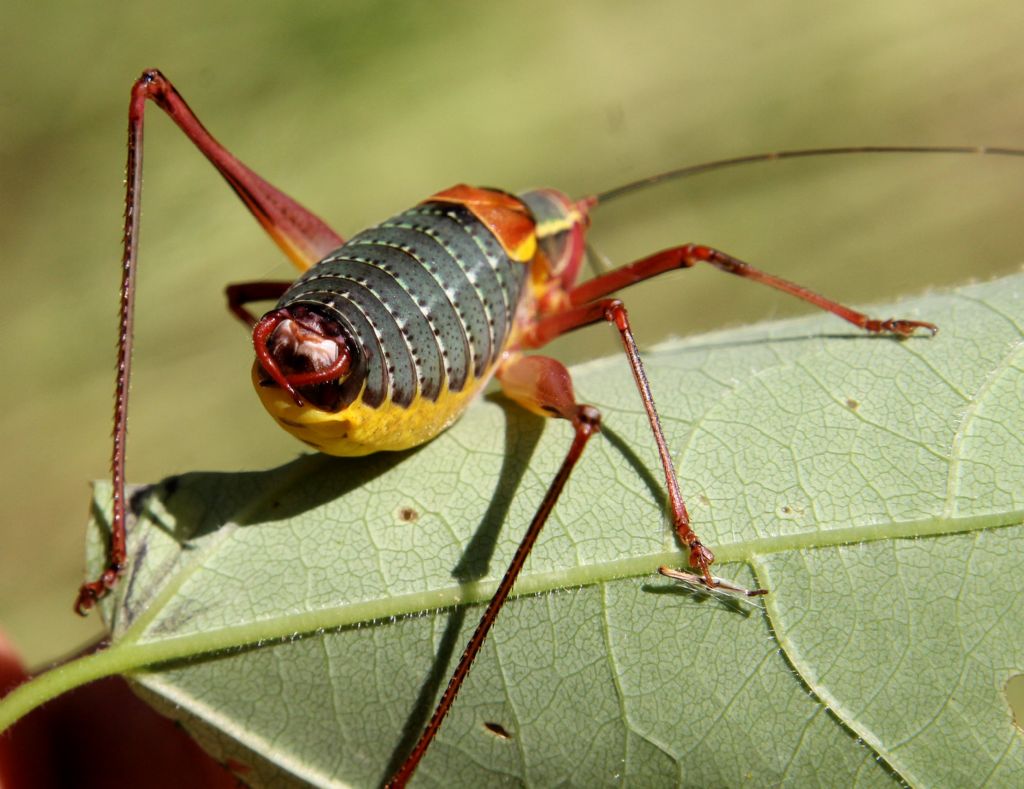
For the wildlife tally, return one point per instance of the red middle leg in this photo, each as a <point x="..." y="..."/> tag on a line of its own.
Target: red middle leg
<point x="690" y="255"/>
<point x="613" y="311"/>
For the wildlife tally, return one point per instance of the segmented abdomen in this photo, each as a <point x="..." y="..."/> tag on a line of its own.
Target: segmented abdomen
<point x="428" y="298"/>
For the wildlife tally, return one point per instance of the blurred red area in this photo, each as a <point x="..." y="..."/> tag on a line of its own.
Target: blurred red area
<point x="99" y="735"/>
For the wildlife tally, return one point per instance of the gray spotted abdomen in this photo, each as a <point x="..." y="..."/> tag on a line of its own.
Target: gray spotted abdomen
<point x="427" y="297"/>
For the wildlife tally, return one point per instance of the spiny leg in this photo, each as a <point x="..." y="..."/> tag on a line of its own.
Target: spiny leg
<point x="543" y="386"/>
<point x="300" y="233"/>
<point x="691" y="254"/>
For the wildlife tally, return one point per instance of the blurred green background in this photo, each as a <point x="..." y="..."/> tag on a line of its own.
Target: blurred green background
<point x="360" y="109"/>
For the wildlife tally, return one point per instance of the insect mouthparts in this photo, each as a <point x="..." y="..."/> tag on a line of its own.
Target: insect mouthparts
<point x="303" y="349"/>
<point x="300" y="348"/>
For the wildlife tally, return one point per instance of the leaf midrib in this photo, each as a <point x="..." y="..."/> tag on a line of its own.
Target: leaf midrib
<point x="349" y="614"/>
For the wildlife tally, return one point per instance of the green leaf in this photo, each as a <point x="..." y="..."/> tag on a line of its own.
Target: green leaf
<point x="302" y="620"/>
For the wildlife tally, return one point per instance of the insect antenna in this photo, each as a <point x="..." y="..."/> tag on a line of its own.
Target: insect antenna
<point x="798" y="153"/>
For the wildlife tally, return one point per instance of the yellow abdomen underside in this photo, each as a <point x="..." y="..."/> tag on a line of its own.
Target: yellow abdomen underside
<point x="360" y="429"/>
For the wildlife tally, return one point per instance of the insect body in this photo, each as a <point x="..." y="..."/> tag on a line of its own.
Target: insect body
<point x="426" y="303"/>
<point x="385" y="339"/>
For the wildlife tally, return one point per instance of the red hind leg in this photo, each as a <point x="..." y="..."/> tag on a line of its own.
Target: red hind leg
<point x="299" y="232"/>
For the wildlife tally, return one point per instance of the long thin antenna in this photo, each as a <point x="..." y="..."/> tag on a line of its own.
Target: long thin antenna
<point x="802" y="153"/>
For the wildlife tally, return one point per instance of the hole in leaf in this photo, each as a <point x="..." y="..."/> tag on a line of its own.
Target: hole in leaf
<point x="497" y="730"/>
<point x="1015" y="697"/>
<point x="788" y="512"/>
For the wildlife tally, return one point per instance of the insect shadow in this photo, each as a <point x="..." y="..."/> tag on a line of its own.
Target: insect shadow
<point x="192" y="506"/>
<point x="522" y="434"/>
<point x="800" y="336"/>
<point x="657" y="494"/>
<point x="733" y="605"/>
